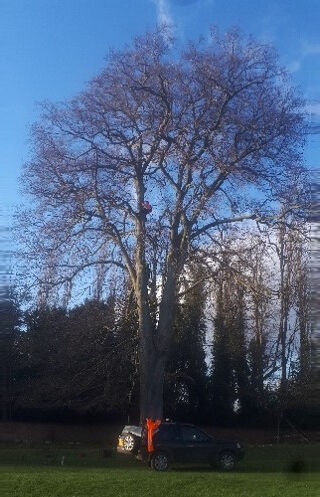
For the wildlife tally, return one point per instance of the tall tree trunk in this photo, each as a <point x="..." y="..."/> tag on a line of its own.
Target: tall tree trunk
<point x="151" y="386"/>
<point x="154" y="350"/>
<point x="155" y="337"/>
<point x="149" y="396"/>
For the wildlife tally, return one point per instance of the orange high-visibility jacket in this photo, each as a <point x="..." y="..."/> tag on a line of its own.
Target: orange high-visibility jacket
<point x="151" y="427"/>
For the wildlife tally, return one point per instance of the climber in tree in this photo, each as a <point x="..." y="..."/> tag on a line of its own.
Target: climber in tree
<point x="146" y="208"/>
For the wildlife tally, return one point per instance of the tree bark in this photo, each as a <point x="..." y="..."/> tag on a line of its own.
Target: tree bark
<point x="154" y="349"/>
<point x="152" y="370"/>
<point x="155" y="338"/>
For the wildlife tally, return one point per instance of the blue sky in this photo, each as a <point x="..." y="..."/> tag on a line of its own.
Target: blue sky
<point x="50" y="48"/>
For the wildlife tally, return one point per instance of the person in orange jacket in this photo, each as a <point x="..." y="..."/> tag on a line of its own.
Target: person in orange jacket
<point x="151" y="427"/>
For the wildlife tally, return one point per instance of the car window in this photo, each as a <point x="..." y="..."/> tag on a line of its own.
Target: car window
<point x="165" y="433"/>
<point x="192" y="434"/>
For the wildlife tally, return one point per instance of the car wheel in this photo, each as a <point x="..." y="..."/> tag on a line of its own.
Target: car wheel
<point x="227" y="461"/>
<point x="159" y="461"/>
<point x="129" y="443"/>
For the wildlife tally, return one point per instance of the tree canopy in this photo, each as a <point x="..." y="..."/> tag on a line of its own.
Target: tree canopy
<point x="211" y="136"/>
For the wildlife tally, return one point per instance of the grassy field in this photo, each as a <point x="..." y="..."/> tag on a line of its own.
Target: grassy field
<point x="85" y="472"/>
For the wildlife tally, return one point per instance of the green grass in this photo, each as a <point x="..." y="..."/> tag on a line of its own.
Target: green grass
<point x="37" y="472"/>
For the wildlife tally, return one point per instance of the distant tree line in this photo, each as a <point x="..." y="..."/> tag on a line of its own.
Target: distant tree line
<point x="240" y="353"/>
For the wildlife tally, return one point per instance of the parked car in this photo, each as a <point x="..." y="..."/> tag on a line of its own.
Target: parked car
<point x="180" y="443"/>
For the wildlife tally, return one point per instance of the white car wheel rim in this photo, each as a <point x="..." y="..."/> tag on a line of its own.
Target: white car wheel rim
<point x="128" y="443"/>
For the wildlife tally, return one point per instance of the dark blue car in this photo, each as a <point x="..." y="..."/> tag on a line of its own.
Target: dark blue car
<point x="180" y="443"/>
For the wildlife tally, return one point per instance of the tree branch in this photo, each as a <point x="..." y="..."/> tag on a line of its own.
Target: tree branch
<point x="222" y="221"/>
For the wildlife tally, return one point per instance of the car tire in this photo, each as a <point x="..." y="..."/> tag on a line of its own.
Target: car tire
<point x="130" y="443"/>
<point x="226" y="461"/>
<point x="159" y="461"/>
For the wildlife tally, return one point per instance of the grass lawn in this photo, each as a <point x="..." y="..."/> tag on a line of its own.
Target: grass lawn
<point x="37" y="472"/>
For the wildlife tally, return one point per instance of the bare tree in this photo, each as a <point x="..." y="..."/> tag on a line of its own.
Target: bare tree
<point x="285" y="252"/>
<point x="210" y="138"/>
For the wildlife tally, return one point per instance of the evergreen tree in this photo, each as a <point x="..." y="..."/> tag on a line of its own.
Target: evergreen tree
<point x="222" y="388"/>
<point x="67" y="359"/>
<point x="127" y="355"/>
<point x="9" y="332"/>
<point x="185" y="386"/>
<point x="92" y="387"/>
<point x="44" y="359"/>
<point x="237" y="334"/>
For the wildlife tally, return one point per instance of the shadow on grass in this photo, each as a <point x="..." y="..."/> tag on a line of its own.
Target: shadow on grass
<point x="293" y="468"/>
<point x="293" y="460"/>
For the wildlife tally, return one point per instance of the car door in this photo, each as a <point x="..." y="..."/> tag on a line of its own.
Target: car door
<point x="167" y="438"/>
<point x="197" y="446"/>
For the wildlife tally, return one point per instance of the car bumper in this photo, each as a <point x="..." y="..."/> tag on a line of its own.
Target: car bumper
<point x="121" y="450"/>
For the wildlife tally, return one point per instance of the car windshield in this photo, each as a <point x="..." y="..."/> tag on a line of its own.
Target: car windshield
<point x="136" y="430"/>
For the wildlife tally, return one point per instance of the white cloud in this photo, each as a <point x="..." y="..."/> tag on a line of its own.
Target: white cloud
<point x="164" y="16"/>
<point x="294" y="66"/>
<point x="309" y="48"/>
<point x="313" y="108"/>
<point x="184" y="3"/>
